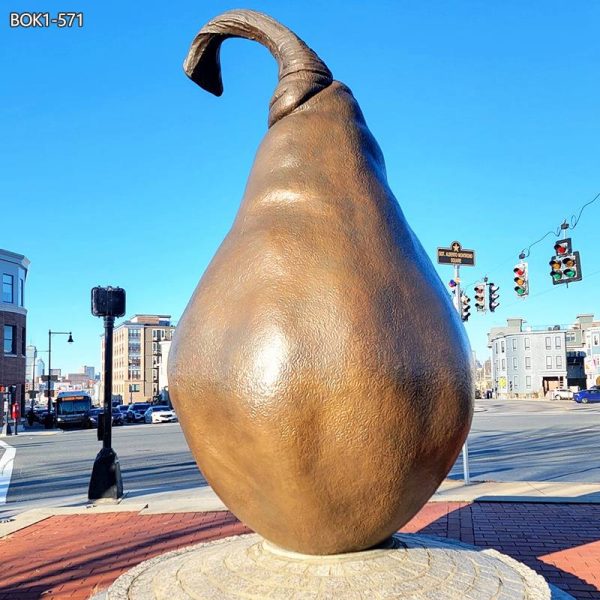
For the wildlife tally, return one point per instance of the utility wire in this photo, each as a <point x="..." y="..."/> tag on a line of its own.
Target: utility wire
<point x="574" y="224"/>
<point x="517" y="302"/>
<point x="574" y="220"/>
<point x="527" y="251"/>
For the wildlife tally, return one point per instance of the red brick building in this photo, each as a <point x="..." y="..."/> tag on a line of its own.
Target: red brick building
<point x="13" y="315"/>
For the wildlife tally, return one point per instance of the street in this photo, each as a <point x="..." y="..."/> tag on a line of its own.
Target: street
<point x="533" y="440"/>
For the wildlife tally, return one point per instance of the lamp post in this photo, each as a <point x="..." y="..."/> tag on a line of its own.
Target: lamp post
<point x="49" y="420"/>
<point x="33" y="378"/>
<point x="106" y="482"/>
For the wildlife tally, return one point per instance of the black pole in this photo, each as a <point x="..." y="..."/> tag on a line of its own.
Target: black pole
<point x="109" y="323"/>
<point x="49" y="421"/>
<point x="106" y="482"/>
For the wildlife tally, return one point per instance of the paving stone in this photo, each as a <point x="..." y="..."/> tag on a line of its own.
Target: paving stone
<point x="246" y="567"/>
<point x="565" y="539"/>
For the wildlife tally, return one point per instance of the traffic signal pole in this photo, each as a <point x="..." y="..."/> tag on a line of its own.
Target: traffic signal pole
<point x="457" y="305"/>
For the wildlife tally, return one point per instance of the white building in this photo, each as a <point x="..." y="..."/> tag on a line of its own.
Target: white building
<point x="531" y="362"/>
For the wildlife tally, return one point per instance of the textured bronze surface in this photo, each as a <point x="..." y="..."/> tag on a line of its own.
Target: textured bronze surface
<point x="320" y="372"/>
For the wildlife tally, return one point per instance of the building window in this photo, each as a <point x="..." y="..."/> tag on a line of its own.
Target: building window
<point x="527" y="346"/>
<point x="10" y="341"/>
<point x="514" y="362"/>
<point x="503" y="364"/>
<point x="21" y="287"/>
<point x="23" y="344"/>
<point x="571" y="337"/>
<point x="548" y="362"/>
<point x="516" y="380"/>
<point x="496" y="347"/>
<point x="514" y="343"/>
<point x="596" y="339"/>
<point x="548" y="343"/>
<point x="559" y="362"/>
<point x="528" y="362"/>
<point x="528" y="381"/>
<point x="502" y="346"/>
<point x="557" y="342"/>
<point x="7" y="288"/>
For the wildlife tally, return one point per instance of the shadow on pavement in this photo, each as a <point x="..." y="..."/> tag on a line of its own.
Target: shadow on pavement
<point x="74" y="556"/>
<point x="549" y="455"/>
<point x="561" y="542"/>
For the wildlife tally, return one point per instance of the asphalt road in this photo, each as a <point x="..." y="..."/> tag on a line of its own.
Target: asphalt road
<point x="533" y="440"/>
<point x="49" y="468"/>
<point x="509" y="441"/>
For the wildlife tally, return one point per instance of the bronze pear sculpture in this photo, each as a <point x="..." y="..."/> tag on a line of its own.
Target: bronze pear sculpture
<point x="320" y="372"/>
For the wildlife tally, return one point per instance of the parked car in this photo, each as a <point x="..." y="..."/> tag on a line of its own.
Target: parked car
<point x="93" y="416"/>
<point x="160" y="414"/>
<point x="562" y="394"/>
<point x="585" y="396"/>
<point x="135" y="412"/>
<point x="117" y="417"/>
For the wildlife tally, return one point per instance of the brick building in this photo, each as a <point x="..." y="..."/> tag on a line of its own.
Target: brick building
<point x="13" y="316"/>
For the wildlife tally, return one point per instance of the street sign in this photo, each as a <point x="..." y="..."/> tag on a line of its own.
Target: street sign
<point x="456" y="255"/>
<point x="52" y="377"/>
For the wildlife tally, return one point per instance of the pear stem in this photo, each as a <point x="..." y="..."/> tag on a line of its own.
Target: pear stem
<point x="302" y="74"/>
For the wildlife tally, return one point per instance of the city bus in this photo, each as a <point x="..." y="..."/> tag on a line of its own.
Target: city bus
<point x="73" y="409"/>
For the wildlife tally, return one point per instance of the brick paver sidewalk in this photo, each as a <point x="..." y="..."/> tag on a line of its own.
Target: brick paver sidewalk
<point x="74" y="556"/>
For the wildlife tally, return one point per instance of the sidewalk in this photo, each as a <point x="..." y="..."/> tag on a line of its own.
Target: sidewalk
<point x="73" y="552"/>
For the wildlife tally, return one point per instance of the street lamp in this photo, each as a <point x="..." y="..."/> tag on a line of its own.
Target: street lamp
<point x="49" y="419"/>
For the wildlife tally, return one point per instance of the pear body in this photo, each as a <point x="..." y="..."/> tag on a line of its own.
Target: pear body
<point x="321" y="375"/>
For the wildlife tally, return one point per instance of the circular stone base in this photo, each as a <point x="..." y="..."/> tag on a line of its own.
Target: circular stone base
<point x="409" y="567"/>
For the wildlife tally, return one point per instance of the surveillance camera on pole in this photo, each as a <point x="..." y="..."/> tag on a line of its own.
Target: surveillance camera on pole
<point x="106" y="482"/>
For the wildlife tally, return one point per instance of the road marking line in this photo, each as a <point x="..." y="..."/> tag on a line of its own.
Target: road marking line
<point x="6" y="466"/>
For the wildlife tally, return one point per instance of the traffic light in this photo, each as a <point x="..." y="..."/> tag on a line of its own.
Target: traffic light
<point x="493" y="297"/>
<point x="565" y="265"/>
<point x="465" y="308"/>
<point x="562" y="247"/>
<point x="521" y="279"/>
<point x="480" y="297"/>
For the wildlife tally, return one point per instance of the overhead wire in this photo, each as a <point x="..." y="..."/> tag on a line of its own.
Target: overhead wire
<point x="525" y="253"/>
<point x="574" y="224"/>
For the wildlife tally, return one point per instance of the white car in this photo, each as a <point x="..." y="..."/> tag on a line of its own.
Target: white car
<point x="160" y="414"/>
<point x="562" y="394"/>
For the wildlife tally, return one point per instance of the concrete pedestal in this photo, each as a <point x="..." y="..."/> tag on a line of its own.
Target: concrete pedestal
<point x="409" y="566"/>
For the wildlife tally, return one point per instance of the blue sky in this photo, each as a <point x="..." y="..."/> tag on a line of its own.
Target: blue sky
<point x="115" y="169"/>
